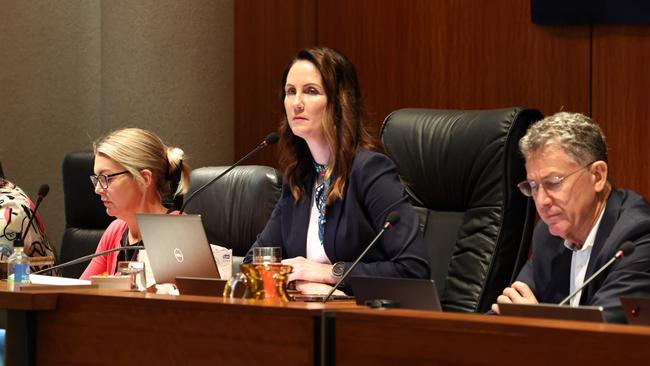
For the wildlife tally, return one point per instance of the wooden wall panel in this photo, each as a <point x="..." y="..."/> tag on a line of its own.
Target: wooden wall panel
<point x="410" y="53"/>
<point x="463" y="54"/>
<point x="267" y="34"/>
<point x="620" y="101"/>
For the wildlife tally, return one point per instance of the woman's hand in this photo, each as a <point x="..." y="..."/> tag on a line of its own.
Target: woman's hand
<point x="314" y="288"/>
<point x="308" y="270"/>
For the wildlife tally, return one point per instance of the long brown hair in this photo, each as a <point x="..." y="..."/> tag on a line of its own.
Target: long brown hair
<point x="343" y="124"/>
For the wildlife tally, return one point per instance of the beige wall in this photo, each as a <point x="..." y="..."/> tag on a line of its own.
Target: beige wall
<point x="72" y="70"/>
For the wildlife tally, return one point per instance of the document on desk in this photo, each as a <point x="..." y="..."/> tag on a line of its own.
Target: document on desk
<point x="56" y="281"/>
<point x="223" y="258"/>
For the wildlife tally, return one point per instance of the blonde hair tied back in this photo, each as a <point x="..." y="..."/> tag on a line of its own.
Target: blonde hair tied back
<point x="137" y="149"/>
<point x="178" y="172"/>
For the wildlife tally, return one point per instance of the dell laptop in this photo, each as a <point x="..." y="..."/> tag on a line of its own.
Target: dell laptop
<point x="176" y="246"/>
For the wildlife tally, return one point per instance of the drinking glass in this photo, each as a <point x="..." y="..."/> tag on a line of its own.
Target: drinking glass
<point x="265" y="255"/>
<point x="136" y="271"/>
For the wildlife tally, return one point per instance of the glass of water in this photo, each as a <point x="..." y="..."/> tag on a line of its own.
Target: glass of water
<point x="266" y="255"/>
<point x="136" y="271"/>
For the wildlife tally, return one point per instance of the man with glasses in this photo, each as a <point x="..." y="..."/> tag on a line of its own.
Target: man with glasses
<point x="584" y="220"/>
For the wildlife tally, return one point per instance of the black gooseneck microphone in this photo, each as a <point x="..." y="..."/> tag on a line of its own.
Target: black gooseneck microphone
<point x="626" y="249"/>
<point x="391" y="220"/>
<point x="43" y="190"/>
<point x="270" y="139"/>
<point x="89" y="257"/>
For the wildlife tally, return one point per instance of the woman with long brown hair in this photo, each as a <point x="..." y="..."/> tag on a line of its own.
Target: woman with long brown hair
<point x="338" y="188"/>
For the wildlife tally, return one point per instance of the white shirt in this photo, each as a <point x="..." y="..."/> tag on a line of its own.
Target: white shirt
<point x="315" y="250"/>
<point x="580" y="260"/>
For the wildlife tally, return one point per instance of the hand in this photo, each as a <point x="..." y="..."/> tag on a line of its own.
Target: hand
<point x="517" y="293"/>
<point x="308" y="270"/>
<point x="314" y="288"/>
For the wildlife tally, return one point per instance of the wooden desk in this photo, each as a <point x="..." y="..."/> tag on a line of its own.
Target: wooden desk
<point x="97" y="327"/>
<point x="129" y="328"/>
<point x="410" y="337"/>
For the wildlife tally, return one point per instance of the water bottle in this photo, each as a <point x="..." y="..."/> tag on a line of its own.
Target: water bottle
<point x="19" y="266"/>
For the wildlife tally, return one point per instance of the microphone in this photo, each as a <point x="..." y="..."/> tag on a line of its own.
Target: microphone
<point x="626" y="249"/>
<point x="89" y="257"/>
<point x="270" y="139"/>
<point x="391" y="220"/>
<point x="43" y="190"/>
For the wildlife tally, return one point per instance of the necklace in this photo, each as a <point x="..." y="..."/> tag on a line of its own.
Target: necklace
<point x="320" y="196"/>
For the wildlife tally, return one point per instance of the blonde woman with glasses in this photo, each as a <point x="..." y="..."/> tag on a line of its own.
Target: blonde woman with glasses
<point x="133" y="171"/>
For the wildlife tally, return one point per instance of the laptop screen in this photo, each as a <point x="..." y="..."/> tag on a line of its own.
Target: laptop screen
<point x="406" y="293"/>
<point x="637" y="309"/>
<point x="176" y="246"/>
<point x="554" y="311"/>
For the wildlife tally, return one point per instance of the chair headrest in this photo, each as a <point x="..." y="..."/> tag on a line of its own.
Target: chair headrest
<point x="235" y="208"/>
<point x="83" y="208"/>
<point x="454" y="158"/>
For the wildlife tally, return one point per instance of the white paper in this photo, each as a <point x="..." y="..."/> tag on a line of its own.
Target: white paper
<point x="149" y="279"/>
<point x="167" y="289"/>
<point x="223" y="257"/>
<point x="53" y="280"/>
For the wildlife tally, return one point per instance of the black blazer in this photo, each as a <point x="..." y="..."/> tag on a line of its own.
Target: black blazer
<point x="626" y="217"/>
<point x="372" y="191"/>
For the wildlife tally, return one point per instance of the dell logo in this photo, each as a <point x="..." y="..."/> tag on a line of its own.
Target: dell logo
<point x="178" y="255"/>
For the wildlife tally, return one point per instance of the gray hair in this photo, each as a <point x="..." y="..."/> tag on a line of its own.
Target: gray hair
<point x="137" y="149"/>
<point x="579" y="137"/>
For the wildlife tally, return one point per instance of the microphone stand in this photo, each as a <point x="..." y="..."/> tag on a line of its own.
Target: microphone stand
<point x="270" y="140"/>
<point x="392" y="219"/>
<point x="88" y="257"/>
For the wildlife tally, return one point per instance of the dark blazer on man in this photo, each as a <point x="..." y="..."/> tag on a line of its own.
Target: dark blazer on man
<point x="371" y="192"/>
<point x="626" y="217"/>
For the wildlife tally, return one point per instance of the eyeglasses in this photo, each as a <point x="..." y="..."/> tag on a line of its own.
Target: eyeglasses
<point x="103" y="179"/>
<point x="551" y="184"/>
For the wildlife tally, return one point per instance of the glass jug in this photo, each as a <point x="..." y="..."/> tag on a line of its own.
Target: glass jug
<point x="262" y="281"/>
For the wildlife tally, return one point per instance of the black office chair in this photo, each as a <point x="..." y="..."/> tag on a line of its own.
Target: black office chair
<point x="235" y="208"/>
<point x="461" y="169"/>
<point x="85" y="215"/>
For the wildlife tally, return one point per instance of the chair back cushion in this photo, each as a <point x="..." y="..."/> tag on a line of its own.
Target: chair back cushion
<point x="461" y="169"/>
<point x="85" y="215"/>
<point x="235" y="208"/>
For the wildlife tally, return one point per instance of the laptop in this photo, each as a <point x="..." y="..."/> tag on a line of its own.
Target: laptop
<point x="176" y="246"/>
<point x="405" y="293"/>
<point x="637" y="309"/>
<point x="554" y="311"/>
